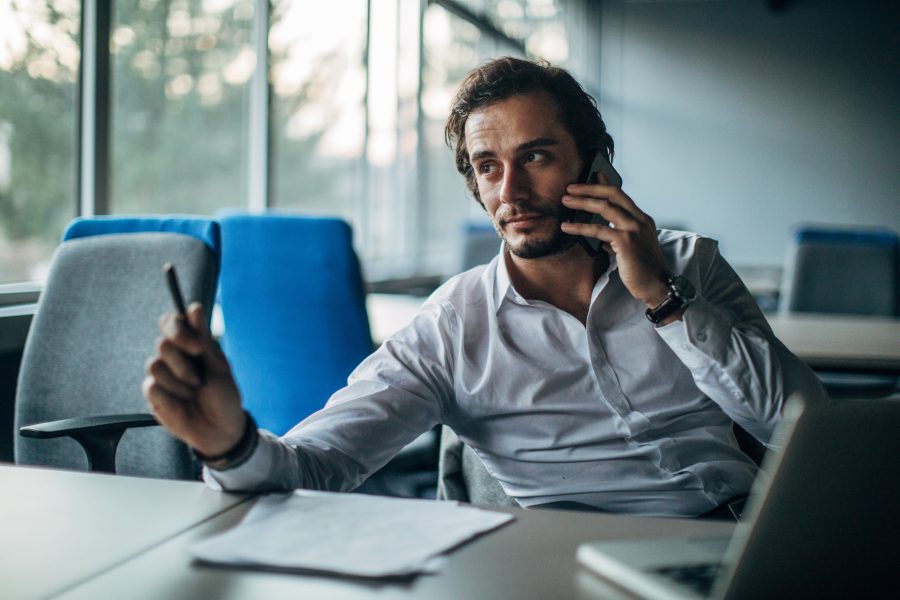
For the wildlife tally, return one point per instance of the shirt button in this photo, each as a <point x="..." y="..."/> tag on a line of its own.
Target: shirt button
<point x="685" y="347"/>
<point x="701" y="337"/>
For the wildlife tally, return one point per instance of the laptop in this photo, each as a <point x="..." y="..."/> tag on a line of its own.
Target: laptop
<point x="822" y="521"/>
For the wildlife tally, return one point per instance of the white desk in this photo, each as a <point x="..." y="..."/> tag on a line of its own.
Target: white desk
<point x="59" y="528"/>
<point x="76" y="535"/>
<point x="841" y="341"/>
<point x="533" y="557"/>
<point x="389" y="313"/>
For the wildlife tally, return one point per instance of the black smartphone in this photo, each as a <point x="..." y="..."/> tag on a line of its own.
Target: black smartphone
<point x="591" y="175"/>
<point x="178" y="301"/>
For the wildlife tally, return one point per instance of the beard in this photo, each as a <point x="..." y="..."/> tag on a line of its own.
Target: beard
<point x="533" y="245"/>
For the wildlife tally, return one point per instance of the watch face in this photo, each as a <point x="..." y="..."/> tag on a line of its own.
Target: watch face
<point x="684" y="289"/>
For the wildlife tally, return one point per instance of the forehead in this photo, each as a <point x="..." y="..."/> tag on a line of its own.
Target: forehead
<point x="513" y="121"/>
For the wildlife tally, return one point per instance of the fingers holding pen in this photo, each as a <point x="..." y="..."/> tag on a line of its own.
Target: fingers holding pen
<point x="169" y="409"/>
<point x="172" y="363"/>
<point x="183" y="348"/>
<point x="181" y="334"/>
<point x="162" y="374"/>
<point x="213" y="357"/>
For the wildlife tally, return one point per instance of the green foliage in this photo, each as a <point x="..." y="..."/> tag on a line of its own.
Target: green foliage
<point x="179" y="119"/>
<point x="37" y="126"/>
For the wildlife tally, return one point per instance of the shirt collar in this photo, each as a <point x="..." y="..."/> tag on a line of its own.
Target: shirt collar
<point x="504" y="290"/>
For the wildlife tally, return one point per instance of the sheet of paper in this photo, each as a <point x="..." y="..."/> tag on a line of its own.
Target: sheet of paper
<point x="348" y="534"/>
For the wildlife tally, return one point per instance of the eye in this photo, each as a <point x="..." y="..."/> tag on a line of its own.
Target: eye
<point x="486" y="168"/>
<point x="535" y="156"/>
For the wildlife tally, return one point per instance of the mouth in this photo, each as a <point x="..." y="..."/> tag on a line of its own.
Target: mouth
<point x="522" y="221"/>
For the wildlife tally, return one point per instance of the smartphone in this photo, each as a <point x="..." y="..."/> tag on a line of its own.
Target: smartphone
<point x="591" y="175"/>
<point x="178" y="301"/>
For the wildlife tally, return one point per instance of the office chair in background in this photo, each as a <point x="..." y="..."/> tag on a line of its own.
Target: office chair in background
<point x="851" y="271"/>
<point x="96" y="324"/>
<point x="293" y="303"/>
<point x="463" y="477"/>
<point x="296" y="325"/>
<point x="846" y="271"/>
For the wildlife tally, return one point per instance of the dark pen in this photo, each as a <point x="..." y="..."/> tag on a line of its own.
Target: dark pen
<point x="178" y="300"/>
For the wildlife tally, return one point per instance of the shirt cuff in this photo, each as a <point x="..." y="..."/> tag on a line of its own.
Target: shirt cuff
<point x="249" y="475"/>
<point x="700" y="335"/>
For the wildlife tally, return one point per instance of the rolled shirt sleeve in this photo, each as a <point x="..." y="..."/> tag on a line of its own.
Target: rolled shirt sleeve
<point x="730" y="349"/>
<point x="394" y="396"/>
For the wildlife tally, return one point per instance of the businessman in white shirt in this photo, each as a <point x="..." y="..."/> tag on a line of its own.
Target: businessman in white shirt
<point x="610" y="380"/>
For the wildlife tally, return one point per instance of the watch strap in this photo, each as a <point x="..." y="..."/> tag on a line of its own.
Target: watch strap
<point x="238" y="454"/>
<point x="674" y="301"/>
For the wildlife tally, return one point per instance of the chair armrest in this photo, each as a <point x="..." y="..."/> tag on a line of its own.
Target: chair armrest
<point x="98" y="436"/>
<point x="87" y="425"/>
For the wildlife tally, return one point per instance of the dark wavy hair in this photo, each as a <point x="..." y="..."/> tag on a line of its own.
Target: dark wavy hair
<point x="502" y="78"/>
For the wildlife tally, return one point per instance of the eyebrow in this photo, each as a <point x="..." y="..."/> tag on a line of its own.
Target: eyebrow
<point x="524" y="147"/>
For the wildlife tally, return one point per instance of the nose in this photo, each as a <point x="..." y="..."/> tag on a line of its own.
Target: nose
<point x="514" y="186"/>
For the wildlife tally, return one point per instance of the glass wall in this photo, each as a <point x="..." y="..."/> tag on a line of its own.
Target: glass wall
<point x="179" y="82"/>
<point x="318" y="87"/>
<point x="454" y="44"/>
<point x="39" y="56"/>
<point x="357" y="95"/>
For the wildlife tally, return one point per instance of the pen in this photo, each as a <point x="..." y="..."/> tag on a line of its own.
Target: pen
<point x="178" y="301"/>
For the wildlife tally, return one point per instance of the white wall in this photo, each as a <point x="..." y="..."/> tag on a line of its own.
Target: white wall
<point x="737" y="121"/>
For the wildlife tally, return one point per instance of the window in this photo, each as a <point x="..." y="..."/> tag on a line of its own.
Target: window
<point x="39" y="57"/>
<point x="351" y="123"/>
<point x="318" y="86"/>
<point x="457" y="37"/>
<point x="179" y="97"/>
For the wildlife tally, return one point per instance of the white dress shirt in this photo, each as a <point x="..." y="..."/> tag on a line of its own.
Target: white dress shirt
<point x="619" y="414"/>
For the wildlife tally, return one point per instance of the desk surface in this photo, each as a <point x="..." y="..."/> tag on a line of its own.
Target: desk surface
<point x="841" y="341"/>
<point x="62" y="527"/>
<point x="533" y="557"/>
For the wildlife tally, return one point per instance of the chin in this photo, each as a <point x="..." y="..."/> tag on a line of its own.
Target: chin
<point x="533" y="247"/>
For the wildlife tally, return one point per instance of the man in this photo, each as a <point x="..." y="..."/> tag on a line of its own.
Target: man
<point x="543" y="361"/>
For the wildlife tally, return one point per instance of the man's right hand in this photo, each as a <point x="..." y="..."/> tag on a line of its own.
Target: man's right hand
<point x="201" y="409"/>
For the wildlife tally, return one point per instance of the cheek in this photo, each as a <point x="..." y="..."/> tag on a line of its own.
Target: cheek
<point x="553" y="187"/>
<point x="488" y="198"/>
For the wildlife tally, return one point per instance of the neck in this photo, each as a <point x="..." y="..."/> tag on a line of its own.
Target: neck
<point x="565" y="280"/>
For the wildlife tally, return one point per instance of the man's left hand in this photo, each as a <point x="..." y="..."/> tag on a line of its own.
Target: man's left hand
<point x="631" y="237"/>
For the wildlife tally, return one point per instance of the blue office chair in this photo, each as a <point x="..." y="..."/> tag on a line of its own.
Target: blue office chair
<point x="203" y="228"/>
<point x="842" y="270"/>
<point x="293" y="304"/>
<point x="849" y="271"/>
<point x="96" y="324"/>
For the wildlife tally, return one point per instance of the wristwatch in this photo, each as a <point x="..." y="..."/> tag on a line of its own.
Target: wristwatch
<point x="681" y="293"/>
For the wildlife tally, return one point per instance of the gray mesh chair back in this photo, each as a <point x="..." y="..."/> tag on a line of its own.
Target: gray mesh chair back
<point x="842" y="271"/>
<point x="463" y="477"/>
<point x="95" y="327"/>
